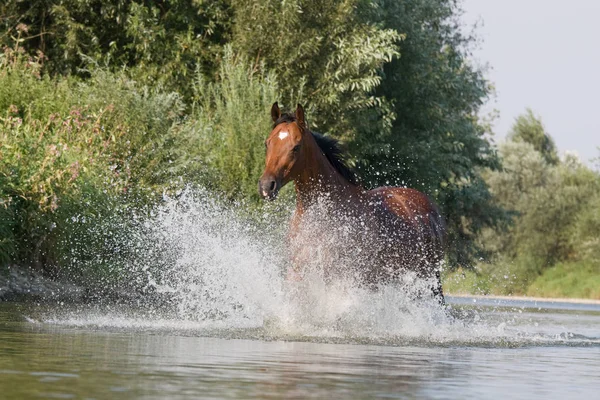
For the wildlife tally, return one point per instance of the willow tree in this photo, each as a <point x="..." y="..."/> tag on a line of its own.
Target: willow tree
<point x="329" y="54"/>
<point x="436" y="142"/>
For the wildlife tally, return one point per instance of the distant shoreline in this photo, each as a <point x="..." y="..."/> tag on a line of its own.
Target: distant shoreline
<point x="526" y="298"/>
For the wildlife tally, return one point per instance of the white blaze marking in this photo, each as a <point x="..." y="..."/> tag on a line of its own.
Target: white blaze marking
<point x="283" y="135"/>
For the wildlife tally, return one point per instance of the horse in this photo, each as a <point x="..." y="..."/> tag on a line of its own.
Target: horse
<point x="402" y="227"/>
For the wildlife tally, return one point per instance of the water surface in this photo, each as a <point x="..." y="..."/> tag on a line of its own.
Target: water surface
<point x="97" y="352"/>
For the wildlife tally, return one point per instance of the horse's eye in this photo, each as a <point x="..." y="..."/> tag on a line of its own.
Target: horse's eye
<point x="296" y="148"/>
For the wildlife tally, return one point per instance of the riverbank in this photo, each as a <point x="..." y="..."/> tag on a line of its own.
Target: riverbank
<point x="505" y="299"/>
<point x="566" y="280"/>
<point x="21" y="283"/>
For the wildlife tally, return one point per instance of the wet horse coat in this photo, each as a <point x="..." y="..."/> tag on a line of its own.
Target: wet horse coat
<point x="401" y="227"/>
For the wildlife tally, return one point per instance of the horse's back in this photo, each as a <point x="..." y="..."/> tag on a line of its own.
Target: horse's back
<point x="416" y="210"/>
<point x="406" y="203"/>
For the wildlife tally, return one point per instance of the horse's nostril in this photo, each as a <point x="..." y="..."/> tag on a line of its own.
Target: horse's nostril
<point x="272" y="187"/>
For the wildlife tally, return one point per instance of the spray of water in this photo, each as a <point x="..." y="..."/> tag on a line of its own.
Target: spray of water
<point x="222" y="274"/>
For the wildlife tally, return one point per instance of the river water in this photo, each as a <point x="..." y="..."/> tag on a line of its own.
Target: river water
<point x="532" y="350"/>
<point x="210" y="315"/>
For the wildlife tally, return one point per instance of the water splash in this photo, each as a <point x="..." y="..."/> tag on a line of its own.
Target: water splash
<point x="222" y="274"/>
<point x="215" y="265"/>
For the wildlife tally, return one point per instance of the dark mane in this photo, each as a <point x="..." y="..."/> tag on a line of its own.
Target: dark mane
<point x="330" y="147"/>
<point x="336" y="156"/>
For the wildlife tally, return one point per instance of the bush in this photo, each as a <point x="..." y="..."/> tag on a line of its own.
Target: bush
<point x="71" y="149"/>
<point x="159" y="42"/>
<point x="75" y="166"/>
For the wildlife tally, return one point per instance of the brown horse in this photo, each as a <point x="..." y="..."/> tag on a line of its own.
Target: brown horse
<point x="400" y="227"/>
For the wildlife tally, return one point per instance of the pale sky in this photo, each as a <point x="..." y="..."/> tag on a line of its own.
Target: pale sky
<point x="543" y="54"/>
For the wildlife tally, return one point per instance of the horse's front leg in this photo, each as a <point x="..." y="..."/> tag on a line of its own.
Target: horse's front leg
<point x="296" y="250"/>
<point x="438" y="291"/>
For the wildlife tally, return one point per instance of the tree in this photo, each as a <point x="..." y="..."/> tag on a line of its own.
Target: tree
<point x="529" y="129"/>
<point x="326" y="54"/>
<point x="552" y="206"/>
<point x="161" y="42"/>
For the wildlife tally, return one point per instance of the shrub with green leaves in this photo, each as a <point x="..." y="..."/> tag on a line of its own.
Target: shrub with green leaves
<point x="69" y="150"/>
<point x="47" y="169"/>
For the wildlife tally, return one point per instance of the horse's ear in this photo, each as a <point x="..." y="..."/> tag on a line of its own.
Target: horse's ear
<point x="300" y="120"/>
<point x="275" y="112"/>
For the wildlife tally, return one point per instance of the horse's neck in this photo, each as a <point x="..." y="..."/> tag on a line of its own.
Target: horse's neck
<point x="319" y="179"/>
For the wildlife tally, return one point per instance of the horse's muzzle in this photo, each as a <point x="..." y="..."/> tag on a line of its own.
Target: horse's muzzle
<point x="268" y="187"/>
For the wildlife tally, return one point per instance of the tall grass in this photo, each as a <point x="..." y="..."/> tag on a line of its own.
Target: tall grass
<point x="577" y="279"/>
<point x="230" y="120"/>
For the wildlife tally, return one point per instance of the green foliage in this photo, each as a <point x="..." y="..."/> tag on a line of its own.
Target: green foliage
<point x="465" y="281"/>
<point x="331" y="51"/>
<point x="161" y="42"/>
<point x="568" y="279"/>
<point x="76" y="157"/>
<point x="529" y="129"/>
<point x="555" y="213"/>
<point x="544" y="197"/>
<point x="228" y="126"/>
<point x="574" y="279"/>
<point x="435" y="142"/>
<point x="7" y="225"/>
<point x="584" y="236"/>
<point x="69" y="149"/>
<point x="47" y="169"/>
<point x="578" y="279"/>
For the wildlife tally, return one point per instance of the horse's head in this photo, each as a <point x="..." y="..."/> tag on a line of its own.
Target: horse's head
<point x="285" y="151"/>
